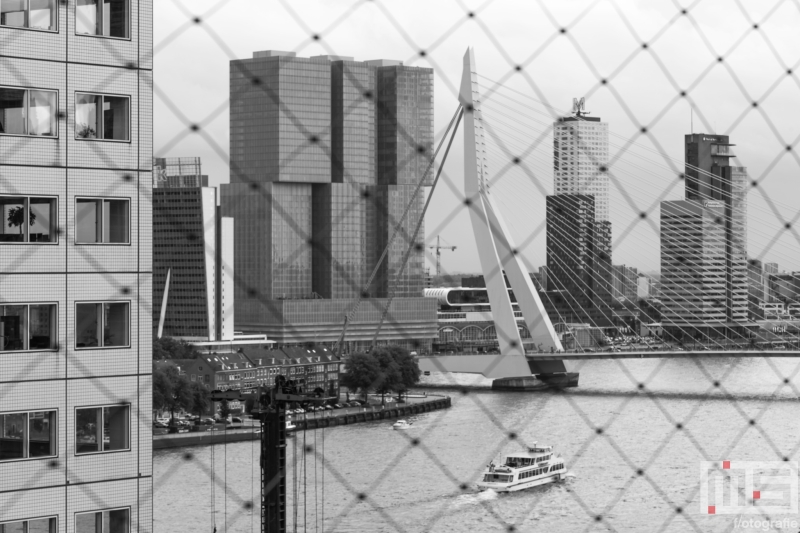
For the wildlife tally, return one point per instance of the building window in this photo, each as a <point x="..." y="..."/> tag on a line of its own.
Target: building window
<point x="30" y="435"/>
<point x="102" y="324"/>
<point x="105" y="18"/>
<point x="102" y="429"/>
<point x="28" y="111"/>
<point x="109" y="521"/>
<point x="34" y="525"/>
<point x="102" y="221"/>
<point x="102" y="117"/>
<point x="27" y="327"/>
<point x="31" y="14"/>
<point x="27" y="219"/>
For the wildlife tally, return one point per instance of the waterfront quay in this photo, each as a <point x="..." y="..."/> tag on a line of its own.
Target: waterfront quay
<point x="304" y="421"/>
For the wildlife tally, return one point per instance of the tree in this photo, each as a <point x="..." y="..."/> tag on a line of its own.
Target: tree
<point x="16" y="218"/>
<point x="390" y="377"/>
<point x="200" y="400"/>
<point x="162" y="388"/>
<point x="169" y="348"/>
<point x="174" y="389"/>
<point x="224" y="410"/>
<point x="408" y="371"/>
<point x="362" y="372"/>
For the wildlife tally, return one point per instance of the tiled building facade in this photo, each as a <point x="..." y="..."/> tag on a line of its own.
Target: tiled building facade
<point x="75" y="266"/>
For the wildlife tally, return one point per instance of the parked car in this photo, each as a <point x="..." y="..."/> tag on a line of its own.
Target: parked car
<point x="206" y="421"/>
<point x="157" y="424"/>
<point x="236" y="420"/>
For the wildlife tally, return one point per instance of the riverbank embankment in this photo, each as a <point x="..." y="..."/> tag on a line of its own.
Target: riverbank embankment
<point x="315" y="420"/>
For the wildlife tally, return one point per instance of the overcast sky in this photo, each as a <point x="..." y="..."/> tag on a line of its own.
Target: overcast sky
<point x="602" y="40"/>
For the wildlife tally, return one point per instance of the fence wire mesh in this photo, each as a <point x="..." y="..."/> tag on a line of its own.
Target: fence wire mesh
<point x="636" y="433"/>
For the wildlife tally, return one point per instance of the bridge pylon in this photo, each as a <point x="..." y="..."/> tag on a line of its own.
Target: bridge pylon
<point x="499" y="256"/>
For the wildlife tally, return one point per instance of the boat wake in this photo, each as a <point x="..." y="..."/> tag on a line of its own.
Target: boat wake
<point x="475" y="498"/>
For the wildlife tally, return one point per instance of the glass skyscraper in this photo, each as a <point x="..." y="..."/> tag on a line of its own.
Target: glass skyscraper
<point x="705" y="287"/>
<point x="579" y="248"/>
<point x="326" y="155"/>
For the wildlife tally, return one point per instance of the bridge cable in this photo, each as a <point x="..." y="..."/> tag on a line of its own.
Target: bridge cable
<point x="305" y="478"/>
<point x="411" y="245"/>
<point x="583" y="290"/>
<point x="681" y="328"/>
<point x="725" y="215"/>
<point x="213" y="484"/>
<point x="352" y="313"/>
<point x="628" y="142"/>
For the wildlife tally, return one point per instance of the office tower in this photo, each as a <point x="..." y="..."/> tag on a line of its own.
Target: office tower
<point x="714" y="214"/>
<point x="543" y="276"/>
<point x="626" y="282"/>
<point x="193" y="259"/>
<point x="756" y="296"/>
<point x="769" y="270"/>
<point x="785" y="287"/>
<point x="647" y="288"/>
<point x="326" y="154"/>
<point x="580" y="157"/>
<point x="575" y="256"/>
<point x="405" y="151"/>
<point x="75" y="266"/>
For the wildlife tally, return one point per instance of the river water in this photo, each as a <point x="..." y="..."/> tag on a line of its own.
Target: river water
<point x="422" y="479"/>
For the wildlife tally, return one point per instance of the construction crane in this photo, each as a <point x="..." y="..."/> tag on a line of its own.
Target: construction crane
<point x="271" y="409"/>
<point x="439" y="249"/>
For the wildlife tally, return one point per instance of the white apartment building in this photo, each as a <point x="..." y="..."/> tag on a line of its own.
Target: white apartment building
<point x="580" y="159"/>
<point x="75" y="266"/>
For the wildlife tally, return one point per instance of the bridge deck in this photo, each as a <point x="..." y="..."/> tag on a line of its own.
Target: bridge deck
<point x="656" y="354"/>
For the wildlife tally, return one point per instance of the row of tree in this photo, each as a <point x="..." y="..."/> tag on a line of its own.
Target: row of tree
<point x="384" y="370"/>
<point x="174" y="392"/>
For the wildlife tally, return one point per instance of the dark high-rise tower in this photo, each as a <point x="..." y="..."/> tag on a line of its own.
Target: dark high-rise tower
<point x="576" y="252"/>
<point x="704" y="245"/>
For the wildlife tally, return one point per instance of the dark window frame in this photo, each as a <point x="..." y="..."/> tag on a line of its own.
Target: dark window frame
<point x="27" y="99"/>
<point x="128" y="23"/>
<point x="53" y="327"/>
<point x="130" y="114"/>
<point x="101" y="302"/>
<point x="101" y="199"/>
<point x="27" y="16"/>
<point x="54" y="435"/>
<point x="53" y="223"/>
<point x="109" y="509"/>
<point x="102" y="452"/>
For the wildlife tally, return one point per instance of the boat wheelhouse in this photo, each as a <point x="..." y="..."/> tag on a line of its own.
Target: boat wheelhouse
<point x="536" y="466"/>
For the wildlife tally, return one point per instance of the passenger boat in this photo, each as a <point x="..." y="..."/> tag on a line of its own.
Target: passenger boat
<point x="401" y="424"/>
<point x="537" y="466"/>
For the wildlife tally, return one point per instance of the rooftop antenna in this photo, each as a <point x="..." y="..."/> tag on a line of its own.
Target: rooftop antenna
<point x="579" y="107"/>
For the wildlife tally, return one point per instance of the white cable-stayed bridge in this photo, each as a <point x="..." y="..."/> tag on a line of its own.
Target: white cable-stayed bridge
<point x="502" y="130"/>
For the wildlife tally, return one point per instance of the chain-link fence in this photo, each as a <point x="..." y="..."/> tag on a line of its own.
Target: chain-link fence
<point x="639" y="438"/>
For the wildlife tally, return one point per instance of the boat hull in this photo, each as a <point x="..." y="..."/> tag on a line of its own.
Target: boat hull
<point x="522" y="485"/>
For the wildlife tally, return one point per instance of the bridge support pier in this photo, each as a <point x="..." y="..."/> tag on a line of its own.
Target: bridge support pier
<point x="537" y="383"/>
